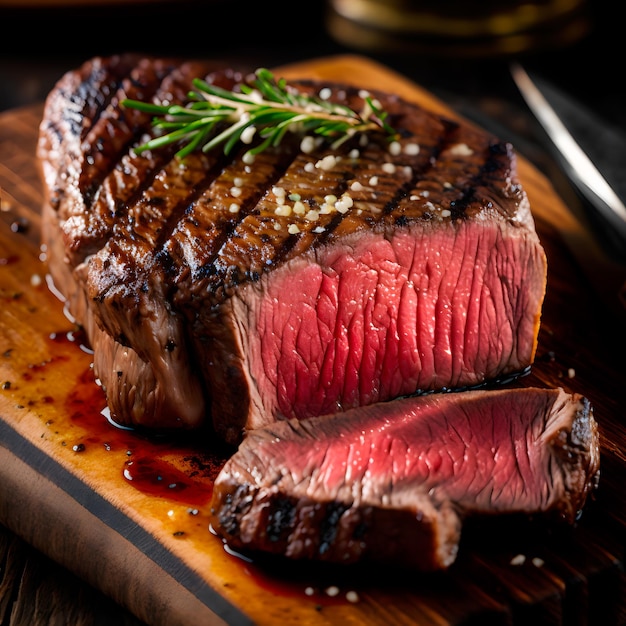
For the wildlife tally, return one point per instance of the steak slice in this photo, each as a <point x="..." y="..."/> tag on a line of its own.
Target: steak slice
<point x="393" y="481"/>
<point x="305" y="283"/>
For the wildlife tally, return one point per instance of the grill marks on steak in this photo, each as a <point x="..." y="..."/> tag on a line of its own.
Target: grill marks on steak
<point x="258" y="239"/>
<point x="128" y="291"/>
<point x="434" y="278"/>
<point x="131" y="282"/>
<point x="111" y="226"/>
<point x="118" y="178"/>
<point x="74" y="105"/>
<point x="393" y="481"/>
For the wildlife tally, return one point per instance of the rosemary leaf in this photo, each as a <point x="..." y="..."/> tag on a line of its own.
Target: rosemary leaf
<point x="218" y="117"/>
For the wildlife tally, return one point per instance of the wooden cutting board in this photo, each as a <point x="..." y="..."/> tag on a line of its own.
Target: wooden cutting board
<point x="128" y="514"/>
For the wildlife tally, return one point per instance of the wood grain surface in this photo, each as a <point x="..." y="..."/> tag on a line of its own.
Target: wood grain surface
<point x="36" y="591"/>
<point x="127" y="513"/>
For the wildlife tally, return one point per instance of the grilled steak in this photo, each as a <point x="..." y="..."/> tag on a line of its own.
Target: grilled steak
<point x="393" y="481"/>
<point x="208" y="297"/>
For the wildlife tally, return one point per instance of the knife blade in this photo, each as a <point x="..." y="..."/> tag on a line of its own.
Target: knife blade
<point x="591" y="153"/>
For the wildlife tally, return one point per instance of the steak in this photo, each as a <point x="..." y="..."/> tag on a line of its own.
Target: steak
<point x="226" y="294"/>
<point x="392" y="482"/>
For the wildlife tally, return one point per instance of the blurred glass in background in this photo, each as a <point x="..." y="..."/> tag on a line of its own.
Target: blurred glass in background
<point x="457" y="27"/>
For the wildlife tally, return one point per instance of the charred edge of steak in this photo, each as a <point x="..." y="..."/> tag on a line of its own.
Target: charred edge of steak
<point x="260" y="522"/>
<point x="579" y="447"/>
<point x="72" y="108"/>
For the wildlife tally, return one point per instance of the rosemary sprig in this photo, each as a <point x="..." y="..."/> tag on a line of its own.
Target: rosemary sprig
<point x="265" y="107"/>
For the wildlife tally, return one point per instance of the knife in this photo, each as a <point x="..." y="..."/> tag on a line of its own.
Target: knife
<point x="591" y="153"/>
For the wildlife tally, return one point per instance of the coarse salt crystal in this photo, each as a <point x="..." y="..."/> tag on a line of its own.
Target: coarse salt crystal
<point x="248" y="134"/>
<point x="327" y="163"/>
<point x="461" y="149"/>
<point x="307" y="145"/>
<point x="312" y="215"/>
<point x="283" y="209"/>
<point x="256" y="95"/>
<point x="325" y="93"/>
<point x="395" y="148"/>
<point x="344" y="203"/>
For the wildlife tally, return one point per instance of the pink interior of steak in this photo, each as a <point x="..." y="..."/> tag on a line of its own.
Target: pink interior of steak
<point x="383" y="314"/>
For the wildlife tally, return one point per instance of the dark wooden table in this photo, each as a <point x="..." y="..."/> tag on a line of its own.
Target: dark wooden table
<point x="36" y="591"/>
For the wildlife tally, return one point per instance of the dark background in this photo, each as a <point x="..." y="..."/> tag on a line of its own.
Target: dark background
<point x="38" y="44"/>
